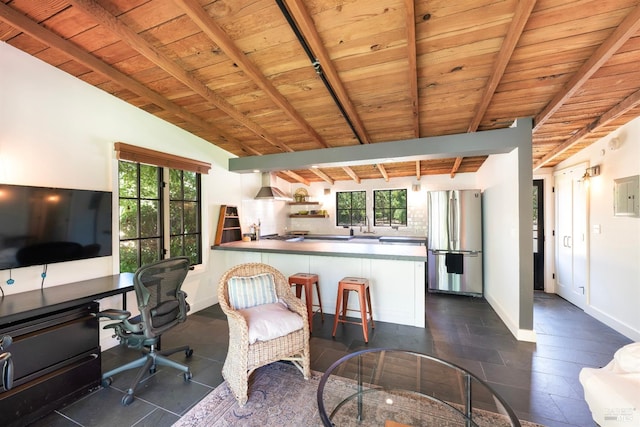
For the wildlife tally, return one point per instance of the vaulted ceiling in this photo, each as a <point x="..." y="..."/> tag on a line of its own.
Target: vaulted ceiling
<point x="259" y="77"/>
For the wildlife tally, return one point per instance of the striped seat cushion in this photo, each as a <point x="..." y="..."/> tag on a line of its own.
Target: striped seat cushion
<point x="245" y="292"/>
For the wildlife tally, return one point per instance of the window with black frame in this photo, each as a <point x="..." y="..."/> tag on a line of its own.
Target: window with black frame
<point x="351" y="208"/>
<point x="184" y="215"/>
<point x="390" y="208"/>
<point x="143" y="203"/>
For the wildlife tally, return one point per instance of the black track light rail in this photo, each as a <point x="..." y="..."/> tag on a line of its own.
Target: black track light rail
<point x="316" y="64"/>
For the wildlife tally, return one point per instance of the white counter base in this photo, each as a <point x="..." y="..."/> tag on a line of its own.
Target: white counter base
<point x="397" y="286"/>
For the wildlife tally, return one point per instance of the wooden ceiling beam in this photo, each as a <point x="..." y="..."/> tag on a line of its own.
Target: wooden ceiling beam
<point x="136" y="42"/>
<point x="520" y="19"/>
<point x="206" y="23"/>
<point x="307" y="28"/>
<point x="623" y="32"/>
<point x="297" y="177"/>
<point x="413" y="66"/>
<point x="456" y="166"/>
<point x="351" y="173"/>
<point x="383" y="171"/>
<point x="413" y="71"/>
<point x="27" y="26"/>
<point x="323" y="175"/>
<point x="630" y="102"/>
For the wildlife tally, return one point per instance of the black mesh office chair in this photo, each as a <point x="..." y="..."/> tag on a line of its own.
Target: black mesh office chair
<point x="162" y="306"/>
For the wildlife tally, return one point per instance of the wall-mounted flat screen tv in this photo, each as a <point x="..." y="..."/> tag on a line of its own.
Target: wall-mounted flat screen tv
<point x="40" y="226"/>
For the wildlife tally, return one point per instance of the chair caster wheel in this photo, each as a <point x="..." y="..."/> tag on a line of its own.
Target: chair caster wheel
<point x="107" y="382"/>
<point x="188" y="352"/>
<point x="188" y="376"/>
<point x="127" y="399"/>
<point x="152" y="371"/>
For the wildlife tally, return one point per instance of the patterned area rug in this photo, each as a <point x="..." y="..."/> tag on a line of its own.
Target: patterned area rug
<point x="280" y="396"/>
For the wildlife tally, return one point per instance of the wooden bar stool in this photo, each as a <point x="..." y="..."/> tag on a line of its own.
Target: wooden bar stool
<point x="307" y="280"/>
<point x="361" y="286"/>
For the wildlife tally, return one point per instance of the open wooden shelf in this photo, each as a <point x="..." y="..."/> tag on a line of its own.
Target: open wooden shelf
<point x="228" y="229"/>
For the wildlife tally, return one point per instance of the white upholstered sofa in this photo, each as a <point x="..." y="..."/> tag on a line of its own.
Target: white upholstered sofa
<point x="613" y="391"/>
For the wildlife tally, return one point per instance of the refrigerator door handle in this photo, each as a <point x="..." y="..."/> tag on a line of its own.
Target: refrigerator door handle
<point x="453" y="230"/>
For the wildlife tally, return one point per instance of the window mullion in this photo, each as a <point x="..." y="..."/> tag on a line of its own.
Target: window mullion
<point x="165" y="202"/>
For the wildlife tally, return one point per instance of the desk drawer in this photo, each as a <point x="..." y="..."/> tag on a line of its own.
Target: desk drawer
<point x="46" y="343"/>
<point x="34" y="399"/>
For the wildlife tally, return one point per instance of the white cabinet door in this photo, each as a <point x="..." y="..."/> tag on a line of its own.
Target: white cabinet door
<point x="571" y="237"/>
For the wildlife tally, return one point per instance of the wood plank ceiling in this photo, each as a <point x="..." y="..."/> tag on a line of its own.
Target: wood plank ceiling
<point x="242" y="76"/>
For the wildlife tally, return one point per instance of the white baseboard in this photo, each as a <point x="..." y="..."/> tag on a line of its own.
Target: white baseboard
<point x="621" y="327"/>
<point x="528" y="335"/>
<point x="203" y="303"/>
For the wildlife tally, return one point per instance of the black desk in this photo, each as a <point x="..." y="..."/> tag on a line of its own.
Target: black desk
<point x="56" y="345"/>
<point x="17" y="307"/>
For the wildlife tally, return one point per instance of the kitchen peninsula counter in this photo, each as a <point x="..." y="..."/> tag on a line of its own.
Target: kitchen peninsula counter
<point x="347" y="249"/>
<point x="396" y="271"/>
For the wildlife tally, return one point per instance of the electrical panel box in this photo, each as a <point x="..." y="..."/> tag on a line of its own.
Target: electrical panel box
<point x="626" y="196"/>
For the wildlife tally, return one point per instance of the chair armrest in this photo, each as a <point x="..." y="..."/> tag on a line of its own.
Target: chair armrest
<point x="295" y="304"/>
<point x="114" y="314"/>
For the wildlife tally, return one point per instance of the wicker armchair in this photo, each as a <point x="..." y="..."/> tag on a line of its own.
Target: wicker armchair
<point x="242" y="357"/>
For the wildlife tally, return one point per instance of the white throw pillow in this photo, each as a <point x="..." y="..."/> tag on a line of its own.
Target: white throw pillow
<point x="269" y="321"/>
<point x="245" y="292"/>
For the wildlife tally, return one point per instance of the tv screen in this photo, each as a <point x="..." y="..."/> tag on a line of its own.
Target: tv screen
<point x="41" y="225"/>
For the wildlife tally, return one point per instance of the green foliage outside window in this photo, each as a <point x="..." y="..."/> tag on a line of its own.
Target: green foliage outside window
<point x="142" y="233"/>
<point x="184" y="214"/>
<point x="351" y="208"/>
<point x="390" y="207"/>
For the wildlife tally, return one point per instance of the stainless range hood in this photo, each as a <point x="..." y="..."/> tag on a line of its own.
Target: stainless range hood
<point x="268" y="191"/>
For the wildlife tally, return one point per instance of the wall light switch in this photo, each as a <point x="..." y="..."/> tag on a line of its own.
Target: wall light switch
<point x="596" y="229"/>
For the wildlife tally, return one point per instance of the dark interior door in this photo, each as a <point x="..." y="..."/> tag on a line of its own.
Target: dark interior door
<point x="538" y="235"/>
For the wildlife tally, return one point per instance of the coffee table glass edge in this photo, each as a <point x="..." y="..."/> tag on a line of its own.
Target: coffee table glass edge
<point x="367" y="380"/>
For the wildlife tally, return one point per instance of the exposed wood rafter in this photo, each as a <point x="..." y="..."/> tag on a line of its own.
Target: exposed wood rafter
<point x="351" y="173"/>
<point x="310" y="33"/>
<point x="130" y="37"/>
<point x="623" y="32"/>
<point x="383" y="171"/>
<point x="413" y="71"/>
<point x="520" y="19"/>
<point x="456" y="166"/>
<point x="75" y="53"/>
<point x="323" y="175"/>
<point x="630" y="102"/>
<point x="236" y="77"/>
<point x="219" y="37"/>
<point x="297" y="177"/>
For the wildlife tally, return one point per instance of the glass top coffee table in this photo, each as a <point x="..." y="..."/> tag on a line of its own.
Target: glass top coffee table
<point x="395" y="388"/>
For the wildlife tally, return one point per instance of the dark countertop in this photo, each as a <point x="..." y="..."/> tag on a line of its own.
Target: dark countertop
<point x="327" y="247"/>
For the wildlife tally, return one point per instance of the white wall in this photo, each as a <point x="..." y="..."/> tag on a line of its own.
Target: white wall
<point x="500" y="237"/>
<point x="58" y="131"/>
<point x="613" y="288"/>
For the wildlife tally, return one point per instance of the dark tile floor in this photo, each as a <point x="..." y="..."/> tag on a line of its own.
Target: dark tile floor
<point x="540" y="381"/>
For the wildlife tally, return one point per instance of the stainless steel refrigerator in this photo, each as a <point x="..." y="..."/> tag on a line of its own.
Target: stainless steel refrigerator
<point x="454" y="242"/>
